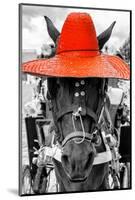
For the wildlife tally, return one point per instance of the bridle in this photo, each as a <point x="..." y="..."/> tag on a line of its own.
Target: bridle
<point x="77" y="113"/>
<point x="82" y="135"/>
<point x="99" y="129"/>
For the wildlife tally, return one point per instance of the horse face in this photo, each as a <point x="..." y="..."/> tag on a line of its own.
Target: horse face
<point x="67" y="95"/>
<point x="77" y="158"/>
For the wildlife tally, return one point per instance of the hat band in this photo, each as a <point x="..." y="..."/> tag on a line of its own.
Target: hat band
<point x="81" y="52"/>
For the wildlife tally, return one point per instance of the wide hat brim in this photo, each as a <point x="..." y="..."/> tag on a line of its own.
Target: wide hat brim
<point x="79" y="65"/>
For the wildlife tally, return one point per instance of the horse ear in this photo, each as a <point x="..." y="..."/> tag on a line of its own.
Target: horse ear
<point x="104" y="36"/>
<point x="119" y="55"/>
<point x="52" y="30"/>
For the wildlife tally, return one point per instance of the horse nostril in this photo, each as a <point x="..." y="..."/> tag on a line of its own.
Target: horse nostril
<point x="90" y="160"/>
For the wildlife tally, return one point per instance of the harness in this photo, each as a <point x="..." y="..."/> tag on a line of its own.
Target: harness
<point x="79" y="136"/>
<point x="103" y="157"/>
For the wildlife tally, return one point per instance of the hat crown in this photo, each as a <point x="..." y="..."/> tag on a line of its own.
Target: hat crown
<point x="78" y="34"/>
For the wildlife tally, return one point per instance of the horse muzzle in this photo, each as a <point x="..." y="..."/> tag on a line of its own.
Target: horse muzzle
<point x="77" y="157"/>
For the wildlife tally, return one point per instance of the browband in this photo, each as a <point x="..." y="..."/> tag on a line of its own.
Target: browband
<point x="73" y="108"/>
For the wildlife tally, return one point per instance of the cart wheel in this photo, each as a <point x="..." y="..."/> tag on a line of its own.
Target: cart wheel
<point x="26" y="180"/>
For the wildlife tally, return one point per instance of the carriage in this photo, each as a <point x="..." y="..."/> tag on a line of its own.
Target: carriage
<point x="87" y="146"/>
<point x="35" y="174"/>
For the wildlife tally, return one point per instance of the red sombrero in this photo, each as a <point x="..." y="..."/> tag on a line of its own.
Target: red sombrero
<point x="78" y="54"/>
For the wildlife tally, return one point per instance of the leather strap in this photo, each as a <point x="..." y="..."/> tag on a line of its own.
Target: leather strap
<point x="103" y="157"/>
<point x="100" y="158"/>
<point x="78" y="134"/>
<point x="74" y="108"/>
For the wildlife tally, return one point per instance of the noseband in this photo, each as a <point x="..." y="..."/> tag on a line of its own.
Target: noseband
<point x="100" y="158"/>
<point x="82" y="135"/>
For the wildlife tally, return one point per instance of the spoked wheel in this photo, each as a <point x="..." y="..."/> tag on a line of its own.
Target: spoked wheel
<point x="26" y="180"/>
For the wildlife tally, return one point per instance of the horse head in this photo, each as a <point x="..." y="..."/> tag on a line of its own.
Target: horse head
<point x="76" y="105"/>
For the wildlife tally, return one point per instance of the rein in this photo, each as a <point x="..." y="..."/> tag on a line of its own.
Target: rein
<point x="74" y="116"/>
